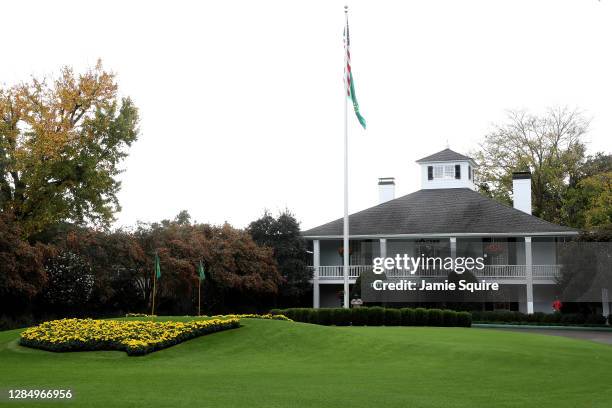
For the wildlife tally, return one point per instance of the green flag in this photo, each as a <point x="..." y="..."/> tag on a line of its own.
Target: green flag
<point x="348" y="74"/>
<point x="157" y="268"/>
<point x="201" y="271"/>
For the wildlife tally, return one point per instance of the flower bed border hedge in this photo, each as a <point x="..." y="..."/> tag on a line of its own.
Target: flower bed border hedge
<point x="214" y="326"/>
<point x="377" y="316"/>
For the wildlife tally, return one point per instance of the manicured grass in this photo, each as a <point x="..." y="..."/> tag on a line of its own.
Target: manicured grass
<point x="283" y="364"/>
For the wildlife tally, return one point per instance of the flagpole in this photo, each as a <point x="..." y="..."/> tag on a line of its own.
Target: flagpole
<point x="199" y="294"/>
<point x="153" y="303"/>
<point x="345" y="252"/>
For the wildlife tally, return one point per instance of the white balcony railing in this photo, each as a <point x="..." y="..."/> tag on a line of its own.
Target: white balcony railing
<point x="546" y="271"/>
<point x="502" y="271"/>
<point x="539" y="272"/>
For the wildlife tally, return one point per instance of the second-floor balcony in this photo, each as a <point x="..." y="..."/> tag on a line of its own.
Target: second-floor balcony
<point x="498" y="272"/>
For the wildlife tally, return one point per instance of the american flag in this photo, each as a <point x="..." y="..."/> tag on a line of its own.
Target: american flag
<point x="348" y="76"/>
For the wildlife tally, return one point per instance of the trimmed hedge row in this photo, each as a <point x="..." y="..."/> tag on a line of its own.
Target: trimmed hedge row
<point x="252" y="316"/>
<point x="377" y="316"/>
<point x="503" y="316"/>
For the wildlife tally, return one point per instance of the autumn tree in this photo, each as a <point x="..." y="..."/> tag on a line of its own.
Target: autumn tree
<point x="117" y="263"/>
<point x="550" y="146"/>
<point x="103" y="272"/>
<point x="61" y="143"/>
<point x="239" y="273"/>
<point x="22" y="273"/>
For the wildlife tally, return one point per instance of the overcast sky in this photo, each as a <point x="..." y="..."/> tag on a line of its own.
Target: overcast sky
<point x="241" y="102"/>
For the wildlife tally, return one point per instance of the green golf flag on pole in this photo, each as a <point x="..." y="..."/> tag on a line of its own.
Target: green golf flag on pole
<point x="156" y="276"/>
<point x="202" y="276"/>
<point x="157" y="268"/>
<point x="201" y="271"/>
<point x="348" y="74"/>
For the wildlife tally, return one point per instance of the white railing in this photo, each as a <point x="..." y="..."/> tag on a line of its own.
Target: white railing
<point x="501" y="271"/>
<point x="546" y="271"/>
<point x="335" y="272"/>
<point x="541" y="272"/>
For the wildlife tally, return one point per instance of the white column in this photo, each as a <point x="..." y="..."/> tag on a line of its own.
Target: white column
<point x="453" y="248"/>
<point x="383" y="247"/>
<point x="316" y="262"/>
<point x="529" y="274"/>
<point x="605" y="302"/>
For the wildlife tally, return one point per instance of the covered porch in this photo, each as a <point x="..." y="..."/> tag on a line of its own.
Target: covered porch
<point x="508" y="260"/>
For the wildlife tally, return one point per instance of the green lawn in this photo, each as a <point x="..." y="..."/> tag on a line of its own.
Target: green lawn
<point x="283" y="364"/>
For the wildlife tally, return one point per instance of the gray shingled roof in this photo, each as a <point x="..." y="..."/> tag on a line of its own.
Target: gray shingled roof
<point x="444" y="155"/>
<point x="439" y="211"/>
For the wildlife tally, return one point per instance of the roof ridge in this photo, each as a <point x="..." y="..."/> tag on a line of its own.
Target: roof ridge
<point x="445" y="155"/>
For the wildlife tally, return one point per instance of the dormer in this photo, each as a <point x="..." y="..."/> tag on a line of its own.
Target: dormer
<point x="447" y="169"/>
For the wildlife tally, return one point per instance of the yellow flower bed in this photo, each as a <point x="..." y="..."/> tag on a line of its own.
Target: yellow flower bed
<point x="134" y="337"/>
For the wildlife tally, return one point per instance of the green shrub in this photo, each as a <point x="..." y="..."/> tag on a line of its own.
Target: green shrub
<point x="552" y="318"/>
<point x="420" y="317"/>
<point x="537" y="317"/>
<point x="311" y="316"/>
<point x="300" y="314"/>
<point x="503" y="316"/>
<point x="464" y="319"/>
<point x="291" y="313"/>
<point x="359" y="316"/>
<point x="595" y="319"/>
<point x="287" y="312"/>
<point x="477" y="315"/>
<point x="610" y="319"/>
<point x="341" y="316"/>
<point x="393" y="317"/>
<point x="407" y="316"/>
<point x="376" y="316"/>
<point x="449" y="318"/>
<point x="573" y="318"/>
<point x="324" y="316"/>
<point x="434" y="317"/>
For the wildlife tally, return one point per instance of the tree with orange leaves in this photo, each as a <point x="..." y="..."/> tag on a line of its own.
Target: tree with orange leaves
<point x="61" y="143"/>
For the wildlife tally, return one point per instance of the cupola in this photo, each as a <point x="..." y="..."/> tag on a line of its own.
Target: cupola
<point x="447" y="169"/>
